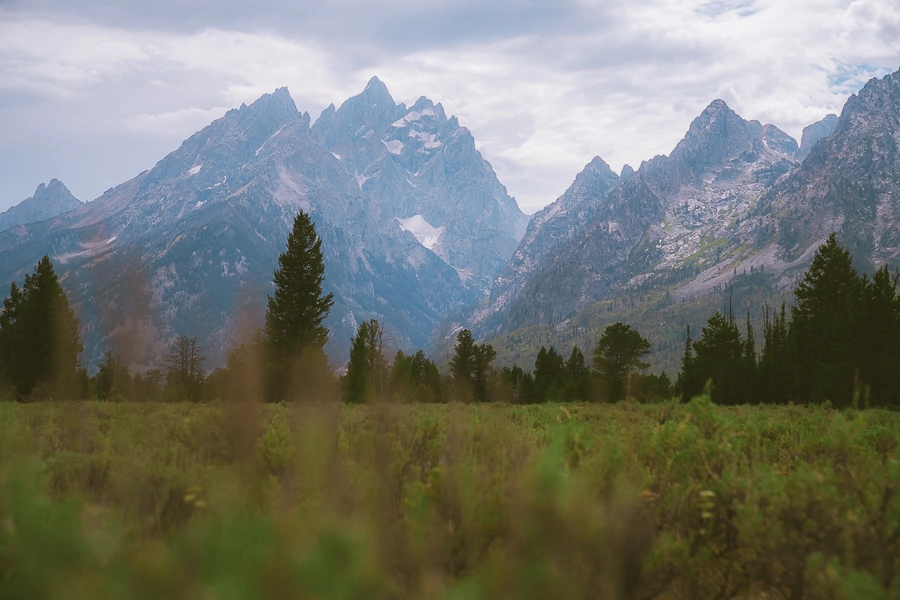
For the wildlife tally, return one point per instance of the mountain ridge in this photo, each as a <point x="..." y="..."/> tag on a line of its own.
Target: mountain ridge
<point x="189" y="246"/>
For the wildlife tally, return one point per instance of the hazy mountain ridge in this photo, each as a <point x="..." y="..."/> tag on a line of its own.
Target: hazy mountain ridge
<point x="408" y="161"/>
<point x="672" y="213"/>
<point x="731" y="206"/>
<point x="48" y="201"/>
<point x="549" y="229"/>
<point x="190" y="245"/>
<point x="417" y="227"/>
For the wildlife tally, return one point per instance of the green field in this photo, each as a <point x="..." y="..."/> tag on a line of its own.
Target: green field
<point x="124" y="500"/>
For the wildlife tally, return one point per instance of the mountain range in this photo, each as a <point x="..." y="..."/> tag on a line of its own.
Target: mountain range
<point x="733" y="198"/>
<point x="419" y="233"/>
<point x="414" y="222"/>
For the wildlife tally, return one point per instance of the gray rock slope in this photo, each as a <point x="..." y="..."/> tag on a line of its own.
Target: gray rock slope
<point x="815" y="132"/>
<point x="549" y="229"/>
<point x="420" y="172"/>
<point x="672" y="220"/>
<point x="732" y="199"/>
<point x="190" y="245"/>
<point x="48" y="201"/>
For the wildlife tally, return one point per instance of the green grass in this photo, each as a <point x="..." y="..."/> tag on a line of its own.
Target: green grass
<point x="106" y="500"/>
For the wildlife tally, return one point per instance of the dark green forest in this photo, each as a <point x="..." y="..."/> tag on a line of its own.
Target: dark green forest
<point x="840" y="343"/>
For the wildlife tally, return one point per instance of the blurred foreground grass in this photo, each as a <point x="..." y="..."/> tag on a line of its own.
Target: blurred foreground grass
<point x="105" y="500"/>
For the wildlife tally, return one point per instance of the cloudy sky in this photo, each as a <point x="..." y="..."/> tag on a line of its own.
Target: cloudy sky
<point x="94" y="91"/>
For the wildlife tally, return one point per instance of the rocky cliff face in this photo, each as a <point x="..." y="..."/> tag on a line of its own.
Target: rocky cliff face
<point x="550" y="228"/>
<point x="815" y="132"/>
<point x="730" y="216"/>
<point x="420" y="172"/>
<point x="671" y="220"/>
<point x="849" y="183"/>
<point x="48" y="201"/>
<point x="190" y="246"/>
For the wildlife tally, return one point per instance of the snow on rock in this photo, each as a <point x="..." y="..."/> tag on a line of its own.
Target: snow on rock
<point x="258" y="150"/>
<point x="427" y="234"/>
<point x="409" y="118"/>
<point x="336" y="155"/>
<point x="393" y="146"/>
<point x="194" y="170"/>
<point x="426" y="138"/>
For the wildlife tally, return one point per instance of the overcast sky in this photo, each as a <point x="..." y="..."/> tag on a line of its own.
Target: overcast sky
<point x="93" y="92"/>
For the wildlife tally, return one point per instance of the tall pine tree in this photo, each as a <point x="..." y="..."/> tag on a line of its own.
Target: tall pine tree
<point x="879" y="328"/>
<point x="719" y="355"/>
<point x="39" y="340"/>
<point x="824" y="324"/>
<point x="294" y="334"/>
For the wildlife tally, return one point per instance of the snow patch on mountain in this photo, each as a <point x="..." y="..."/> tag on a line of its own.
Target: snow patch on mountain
<point x="427" y="234"/>
<point x="393" y="146"/>
<point x="195" y="169"/>
<point x="258" y="150"/>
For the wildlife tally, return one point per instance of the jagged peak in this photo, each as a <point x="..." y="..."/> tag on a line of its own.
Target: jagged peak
<point x="717" y="106"/>
<point x="376" y="91"/>
<point x="279" y="99"/>
<point x="424" y="104"/>
<point x="627" y="171"/>
<point x="374" y="82"/>
<point x="599" y="165"/>
<point x="54" y="186"/>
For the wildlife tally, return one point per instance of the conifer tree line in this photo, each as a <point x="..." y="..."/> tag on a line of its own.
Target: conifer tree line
<point x="840" y="343"/>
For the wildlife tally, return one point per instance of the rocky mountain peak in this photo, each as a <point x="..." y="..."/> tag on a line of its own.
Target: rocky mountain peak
<point x="777" y="140"/>
<point x="815" y="132"/>
<point x="49" y="200"/>
<point x="878" y="99"/>
<point x="720" y="138"/>
<point x="277" y="106"/>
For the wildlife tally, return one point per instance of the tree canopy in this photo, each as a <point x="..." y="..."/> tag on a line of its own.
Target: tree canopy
<point x="296" y="309"/>
<point x="39" y="339"/>
<point x="619" y="352"/>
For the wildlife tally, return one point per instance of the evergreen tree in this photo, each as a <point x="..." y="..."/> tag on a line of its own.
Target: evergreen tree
<point x="746" y="381"/>
<point x="578" y="377"/>
<point x="549" y="375"/>
<point x="471" y="366"/>
<point x="519" y="385"/>
<point x="415" y="378"/>
<point x="690" y="381"/>
<point x="294" y="315"/>
<point x="719" y="353"/>
<point x="367" y="368"/>
<point x="484" y="356"/>
<point x="879" y="328"/>
<point x="39" y="340"/>
<point x="618" y="353"/>
<point x="824" y="326"/>
<point x="11" y="341"/>
<point x="462" y="365"/>
<point x="774" y="372"/>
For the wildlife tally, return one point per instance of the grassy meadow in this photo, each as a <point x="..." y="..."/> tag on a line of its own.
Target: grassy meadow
<point x="243" y="500"/>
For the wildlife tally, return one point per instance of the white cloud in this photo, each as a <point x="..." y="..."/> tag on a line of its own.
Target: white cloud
<point x="541" y="96"/>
